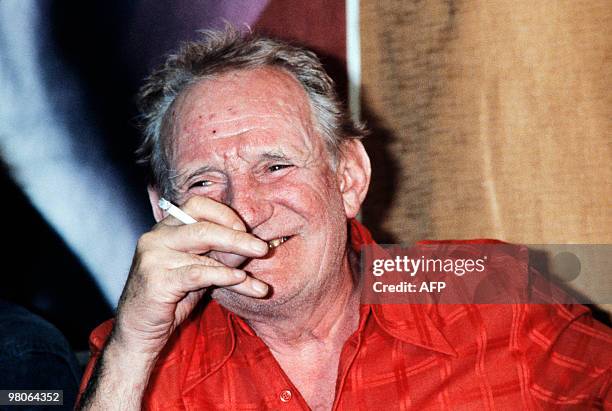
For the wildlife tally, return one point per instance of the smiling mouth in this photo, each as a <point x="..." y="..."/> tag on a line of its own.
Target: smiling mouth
<point x="277" y="241"/>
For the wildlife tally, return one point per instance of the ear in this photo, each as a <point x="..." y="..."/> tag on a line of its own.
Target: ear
<point x="154" y="197"/>
<point x="353" y="173"/>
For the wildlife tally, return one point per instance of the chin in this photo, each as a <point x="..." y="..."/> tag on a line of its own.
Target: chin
<point x="276" y="304"/>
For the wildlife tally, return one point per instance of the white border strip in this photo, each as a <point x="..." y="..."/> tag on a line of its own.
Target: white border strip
<point x="353" y="58"/>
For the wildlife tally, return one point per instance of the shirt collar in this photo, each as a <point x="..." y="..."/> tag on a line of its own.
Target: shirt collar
<point x="411" y="323"/>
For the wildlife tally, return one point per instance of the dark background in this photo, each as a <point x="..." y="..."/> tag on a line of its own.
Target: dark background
<point x="109" y="47"/>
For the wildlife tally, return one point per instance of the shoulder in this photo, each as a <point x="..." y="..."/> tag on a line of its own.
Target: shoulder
<point x="567" y="350"/>
<point x="547" y="334"/>
<point x="25" y="332"/>
<point x="34" y="353"/>
<point x="561" y="351"/>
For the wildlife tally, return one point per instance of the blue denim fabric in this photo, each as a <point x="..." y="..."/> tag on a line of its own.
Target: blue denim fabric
<point x="35" y="355"/>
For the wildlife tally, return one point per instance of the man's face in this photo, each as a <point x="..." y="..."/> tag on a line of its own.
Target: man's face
<point x="247" y="139"/>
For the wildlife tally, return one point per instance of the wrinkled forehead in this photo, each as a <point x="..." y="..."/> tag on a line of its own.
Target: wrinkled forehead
<point x="253" y="101"/>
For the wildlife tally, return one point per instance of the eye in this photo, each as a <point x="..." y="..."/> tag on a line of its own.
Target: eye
<point x="201" y="183"/>
<point x="277" y="167"/>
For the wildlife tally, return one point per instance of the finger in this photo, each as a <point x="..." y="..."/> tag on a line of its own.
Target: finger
<point x="195" y="277"/>
<point x="228" y="259"/>
<point x="171" y="259"/>
<point x="204" y="208"/>
<point x="251" y="287"/>
<point x="175" y="259"/>
<point x="216" y="258"/>
<point x="202" y="237"/>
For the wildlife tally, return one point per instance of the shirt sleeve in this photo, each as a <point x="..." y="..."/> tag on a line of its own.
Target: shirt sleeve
<point x="97" y="340"/>
<point x="568" y="354"/>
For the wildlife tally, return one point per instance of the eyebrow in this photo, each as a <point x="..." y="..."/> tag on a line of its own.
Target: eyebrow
<point x="200" y="170"/>
<point x="275" y="155"/>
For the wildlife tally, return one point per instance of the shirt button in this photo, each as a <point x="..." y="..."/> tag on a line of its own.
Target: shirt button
<point x="285" y="396"/>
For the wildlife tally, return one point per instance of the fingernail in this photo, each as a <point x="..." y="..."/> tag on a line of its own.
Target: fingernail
<point x="238" y="227"/>
<point x="261" y="288"/>
<point x="259" y="247"/>
<point x="239" y="274"/>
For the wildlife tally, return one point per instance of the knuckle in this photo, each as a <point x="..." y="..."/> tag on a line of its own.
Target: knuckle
<point x="224" y="211"/>
<point x="195" y="204"/>
<point x="142" y="242"/>
<point x="232" y="219"/>
<point x="203" y="229"/>
<point x="238" y="237"/>
<point x="145" y="241"/>
<point x="193" y="274"/>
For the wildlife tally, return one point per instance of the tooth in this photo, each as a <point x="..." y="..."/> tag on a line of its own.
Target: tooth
<point x="275" y="243"/>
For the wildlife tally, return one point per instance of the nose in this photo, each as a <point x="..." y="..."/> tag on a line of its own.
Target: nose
<point x="250" y="199"/>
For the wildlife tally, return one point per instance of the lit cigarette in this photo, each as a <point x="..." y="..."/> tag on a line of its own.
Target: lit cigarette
<point x="175" y="212"/>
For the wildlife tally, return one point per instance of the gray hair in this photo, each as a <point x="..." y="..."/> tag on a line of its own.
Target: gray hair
<point x="218" y="52"/>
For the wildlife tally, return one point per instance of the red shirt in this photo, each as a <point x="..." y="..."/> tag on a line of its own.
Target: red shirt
<point x="421" y="357"/>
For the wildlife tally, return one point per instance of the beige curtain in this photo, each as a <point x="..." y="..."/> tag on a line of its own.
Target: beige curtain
<point x="492" y="118"/>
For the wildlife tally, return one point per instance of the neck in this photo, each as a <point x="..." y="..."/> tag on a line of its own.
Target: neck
<point x="329" y="319"/>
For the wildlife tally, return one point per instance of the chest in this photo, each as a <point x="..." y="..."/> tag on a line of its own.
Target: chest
<point x="314" y="379"/>
<point x="375" y="373"/>
<point x="374" y="377"/>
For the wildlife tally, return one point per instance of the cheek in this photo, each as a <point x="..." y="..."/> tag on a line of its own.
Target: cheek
<point x="217" y="195"/>
<point x="313" y="197"/>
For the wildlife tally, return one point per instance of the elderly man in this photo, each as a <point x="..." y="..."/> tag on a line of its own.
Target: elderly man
<point x="247" y="136"/>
